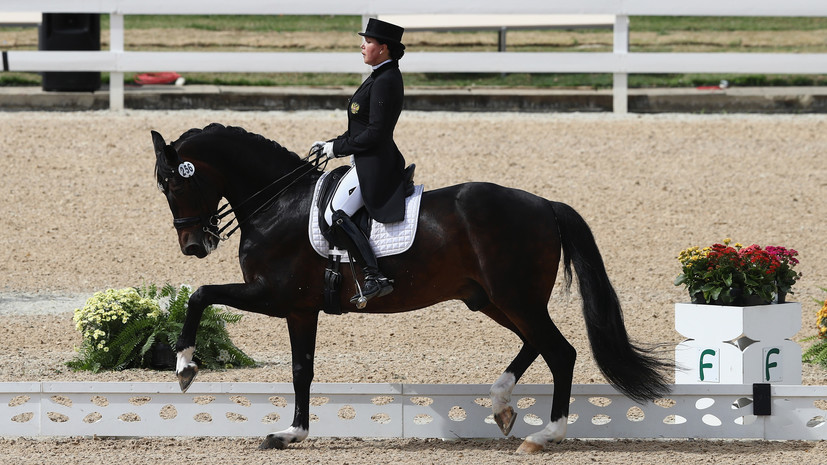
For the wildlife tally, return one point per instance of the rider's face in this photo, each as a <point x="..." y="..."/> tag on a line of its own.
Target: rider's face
<point x="373" y="52"/>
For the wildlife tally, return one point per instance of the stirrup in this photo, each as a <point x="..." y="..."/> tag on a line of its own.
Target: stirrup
<point x="382" y="286"/>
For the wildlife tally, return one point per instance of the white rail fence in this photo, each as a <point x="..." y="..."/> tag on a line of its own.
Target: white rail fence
<point x="620" y="63"/>
<point x="398" y="410"/>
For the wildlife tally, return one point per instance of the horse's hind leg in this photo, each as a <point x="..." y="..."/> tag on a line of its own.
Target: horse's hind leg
<point x="500" y="393"/>
<point x="504" y="413"/>
<point x="543" y="335"/>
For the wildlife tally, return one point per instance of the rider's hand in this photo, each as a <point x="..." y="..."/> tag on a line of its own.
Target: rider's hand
<point x="317" y="146"/>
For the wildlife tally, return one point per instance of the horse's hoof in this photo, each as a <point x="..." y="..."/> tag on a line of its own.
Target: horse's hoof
<point x="528" y="447"/>
<point x="505" y="420"/>
<point x="273" y="442"/>
<point x="186" y="376"/>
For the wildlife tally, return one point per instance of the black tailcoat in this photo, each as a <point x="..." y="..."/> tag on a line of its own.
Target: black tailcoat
<point x="372" y="114"/>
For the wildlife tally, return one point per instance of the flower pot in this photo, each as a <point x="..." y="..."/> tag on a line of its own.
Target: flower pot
<point x="161" y="356"/>
<point x="738" y="299"/>
<point x="738" y="344"/>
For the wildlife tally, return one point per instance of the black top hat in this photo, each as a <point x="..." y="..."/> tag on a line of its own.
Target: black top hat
<point x="383" y="31"/>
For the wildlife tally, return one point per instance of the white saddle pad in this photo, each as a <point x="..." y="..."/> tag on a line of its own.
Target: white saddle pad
<point x="385" y="238"/>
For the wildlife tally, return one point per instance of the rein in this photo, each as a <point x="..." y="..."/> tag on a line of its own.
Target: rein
<point x="314" y="163"/>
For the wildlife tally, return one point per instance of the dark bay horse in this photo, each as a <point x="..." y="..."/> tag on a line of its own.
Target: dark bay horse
<point x="494" y="248"/>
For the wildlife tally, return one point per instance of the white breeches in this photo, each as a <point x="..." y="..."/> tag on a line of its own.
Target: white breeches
<point x="348" y="196"/>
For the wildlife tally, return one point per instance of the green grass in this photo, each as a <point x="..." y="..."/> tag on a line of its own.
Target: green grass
<point x="724" y="23"/>
<point x="638" y="24"/>
<point x="240" y="22"/>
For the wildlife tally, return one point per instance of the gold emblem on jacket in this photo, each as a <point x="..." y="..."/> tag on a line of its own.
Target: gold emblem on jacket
<point x="354" y="107"/>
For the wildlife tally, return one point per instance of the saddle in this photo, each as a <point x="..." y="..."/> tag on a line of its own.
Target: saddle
<point x="361" y="217"/>
<point x="386" y="239"/>
<point x="328" y="187"/>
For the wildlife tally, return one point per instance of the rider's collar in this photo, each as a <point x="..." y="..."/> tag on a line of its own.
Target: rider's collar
<point x="375" y="67"/>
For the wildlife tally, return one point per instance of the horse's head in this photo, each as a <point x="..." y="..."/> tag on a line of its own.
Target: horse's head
<point x="193" y="198"/>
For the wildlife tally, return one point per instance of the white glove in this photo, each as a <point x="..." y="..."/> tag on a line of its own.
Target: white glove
<point x="317" y="146"/>
<point x="327" y="150"/>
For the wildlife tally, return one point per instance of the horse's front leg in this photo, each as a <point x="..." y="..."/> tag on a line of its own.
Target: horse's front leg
<point x="253" y="297"/>
<point x="302" y="329"/>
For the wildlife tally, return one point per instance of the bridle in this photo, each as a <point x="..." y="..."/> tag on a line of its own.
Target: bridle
<point x="316" y="161"/>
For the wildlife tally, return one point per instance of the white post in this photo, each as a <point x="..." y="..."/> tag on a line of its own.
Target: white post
<point x="620" y="90"/>
<point x="116" y="33"/>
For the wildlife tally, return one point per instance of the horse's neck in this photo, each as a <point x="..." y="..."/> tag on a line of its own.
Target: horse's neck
<point x="261" y="190"/>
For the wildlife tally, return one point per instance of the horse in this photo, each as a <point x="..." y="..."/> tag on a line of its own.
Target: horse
<point x="496" y="249"/>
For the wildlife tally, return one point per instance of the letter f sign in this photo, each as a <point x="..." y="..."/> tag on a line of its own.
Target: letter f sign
<point x="768" y="364"/>
<point x="707" y="365"/>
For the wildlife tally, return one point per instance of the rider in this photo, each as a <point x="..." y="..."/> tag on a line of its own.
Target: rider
<point x="375" y="179"/>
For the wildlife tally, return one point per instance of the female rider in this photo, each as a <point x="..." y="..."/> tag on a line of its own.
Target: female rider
<point x="375" y="179"/>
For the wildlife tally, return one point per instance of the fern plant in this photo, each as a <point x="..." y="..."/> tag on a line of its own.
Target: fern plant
<point x="817" y="353"/>
<point x="122" y="328"/>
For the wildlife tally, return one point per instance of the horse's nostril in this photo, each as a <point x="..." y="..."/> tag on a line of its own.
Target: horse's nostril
<point x="195" y="249"/>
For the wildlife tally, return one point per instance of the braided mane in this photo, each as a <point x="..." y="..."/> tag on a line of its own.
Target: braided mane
<point x="216" y="129"/>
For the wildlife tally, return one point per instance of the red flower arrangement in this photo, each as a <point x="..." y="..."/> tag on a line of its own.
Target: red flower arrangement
<point x="738" y="275"/>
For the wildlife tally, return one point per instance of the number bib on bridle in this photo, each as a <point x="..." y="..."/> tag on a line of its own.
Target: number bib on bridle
<point x="385" y="238"/>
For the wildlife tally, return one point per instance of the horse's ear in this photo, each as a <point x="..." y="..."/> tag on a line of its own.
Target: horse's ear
<point x="159" y="143"/>
<point x="163" y="152"/>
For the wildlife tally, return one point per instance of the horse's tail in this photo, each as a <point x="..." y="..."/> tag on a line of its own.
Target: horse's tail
<point x="633" y="370"/>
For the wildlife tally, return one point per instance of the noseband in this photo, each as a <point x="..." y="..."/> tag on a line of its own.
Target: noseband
<point x="316" y="162"/>
<point x="210" y="222"/>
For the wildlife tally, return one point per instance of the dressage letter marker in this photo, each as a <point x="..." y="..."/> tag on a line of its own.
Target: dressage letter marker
<point x="738" y="345"/>
<point x="772" y="369"/>
<point x="709" y="365"/>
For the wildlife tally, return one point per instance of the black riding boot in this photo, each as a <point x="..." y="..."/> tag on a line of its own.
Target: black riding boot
<point x="358" y="246"/>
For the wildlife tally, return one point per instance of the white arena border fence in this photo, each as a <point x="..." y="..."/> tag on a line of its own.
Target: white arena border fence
<point x="122" y="409"/>
<point x="620" y="62"/>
